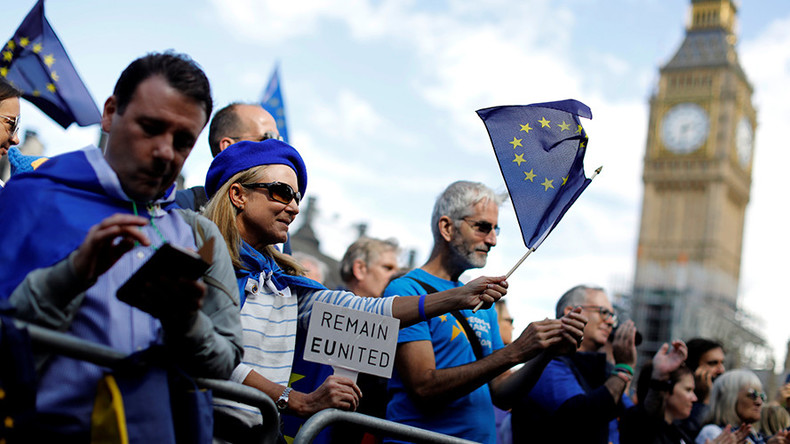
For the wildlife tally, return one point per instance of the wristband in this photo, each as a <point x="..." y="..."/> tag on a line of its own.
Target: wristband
<point x="625" y="367"/>
<point x="622" y="375"/>
<point x="421" y="307"/>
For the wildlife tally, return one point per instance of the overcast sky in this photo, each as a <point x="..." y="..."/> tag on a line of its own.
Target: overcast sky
<point x="381" y="97"/>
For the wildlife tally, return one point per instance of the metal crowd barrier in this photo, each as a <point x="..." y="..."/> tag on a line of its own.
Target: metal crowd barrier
<point x="105" y="356"/>
<point x="322" y="419"/>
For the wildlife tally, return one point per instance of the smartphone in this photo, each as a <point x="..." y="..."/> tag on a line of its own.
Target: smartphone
<point x="170" y="260"/>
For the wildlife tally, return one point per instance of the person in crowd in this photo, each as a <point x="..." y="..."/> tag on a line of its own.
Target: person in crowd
<point x="737" y="399"/>
<point x="449" y="375"/>
<point x="9" y="114"/>
<point x="665" y="391"/>
<point x="706" y="360"/>
<point x="254" y="192"/>
<point x="583" y="388"/>
<point x="81" y="224"/>
<point x="313" y="267"/>
<point x="504" y="431"/>
<point x="368" y="266"/>
<point x="774" y="419"/>
<point x="233" y="123"/>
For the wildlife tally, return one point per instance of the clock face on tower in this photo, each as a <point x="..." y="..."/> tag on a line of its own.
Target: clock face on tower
<point x="744" y="138"/>
<point x="685" y="128"/>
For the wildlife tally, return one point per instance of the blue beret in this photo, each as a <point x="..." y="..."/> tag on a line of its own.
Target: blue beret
<point x="245" y="155"/>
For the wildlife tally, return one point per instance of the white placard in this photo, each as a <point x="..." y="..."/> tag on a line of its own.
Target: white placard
<point x="352" y="339"/>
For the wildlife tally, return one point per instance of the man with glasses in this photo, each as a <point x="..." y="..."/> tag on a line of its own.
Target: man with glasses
<point x="578" y="397"/>
<point x="233" y="123"/>
<point x="452" y="369"/>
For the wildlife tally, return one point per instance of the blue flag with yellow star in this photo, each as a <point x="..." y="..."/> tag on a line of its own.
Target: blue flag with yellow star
<point x="540" y="149"/>
<point x="272" y="102"/>
<point x="35" y="61"/>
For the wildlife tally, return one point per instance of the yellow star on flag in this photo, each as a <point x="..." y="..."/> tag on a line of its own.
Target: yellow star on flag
<point x="8" y="56"/>
<point x="544" y="123"/>
<point x="519" y="158"/>
<point x="37" y="48"/>
<point x="3" y="71"/>
<point x="51" y="88"/>
<point x="11" y="45"/>
<point x="579" y="129"/>
<point x="547" y="184"/>
<point x="530" y="176"/>
<point x="582" y="143"/>
<point x="564" y="180"/>
<point x="564" y="126"/>
<point x="49" y="60"/>
<point x="24" y="41"/>
<point x="55" y="76"/>
<point x="36" y="93"/>
<point x="515" y="142"/>
<point x="525" y="127"/>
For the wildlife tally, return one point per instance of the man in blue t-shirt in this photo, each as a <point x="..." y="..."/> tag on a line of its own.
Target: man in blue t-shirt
<point x="439" y="383"/>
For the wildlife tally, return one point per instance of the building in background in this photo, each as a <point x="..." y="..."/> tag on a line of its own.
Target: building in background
<point x="697" y="181"/>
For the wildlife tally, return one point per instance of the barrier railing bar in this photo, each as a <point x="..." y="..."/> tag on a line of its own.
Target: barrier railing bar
<point x="98" y="354"/>
<point x="322" y="419"/>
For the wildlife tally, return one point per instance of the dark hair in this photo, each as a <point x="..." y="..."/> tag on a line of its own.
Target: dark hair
<point x="180" y="71"/>
<point x="698" y="347"/>
<point x="224" y="123"/>
<point x="8" y="91"/>
<point x="643" y="383"/>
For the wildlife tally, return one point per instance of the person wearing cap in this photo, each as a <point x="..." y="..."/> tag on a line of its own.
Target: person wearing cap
<point x="254" y="192"/>
<point x="76" y="228"/>
<point x="9" y="116"/>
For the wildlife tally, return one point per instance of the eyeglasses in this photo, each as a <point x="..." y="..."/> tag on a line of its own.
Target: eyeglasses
<point x="266" y="136"/>
<point x="754" y="394"/>
<point x="14" y="121"/>
<point x="481" y="226"/>
<point x="605" y="313"/>
<point x="281" y="192"/>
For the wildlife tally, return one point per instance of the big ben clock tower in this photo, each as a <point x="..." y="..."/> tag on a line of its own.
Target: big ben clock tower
<point x="697" y="179"/>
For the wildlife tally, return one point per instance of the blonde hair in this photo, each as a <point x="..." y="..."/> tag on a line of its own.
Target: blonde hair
<point x="223" y="213"/>
<point x="773" y="418"/>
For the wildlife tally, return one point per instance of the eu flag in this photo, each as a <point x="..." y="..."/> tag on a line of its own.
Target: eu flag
<point x="540" y="149"/>
<point x="272" y="102"/>
<point x="35" y="61"/>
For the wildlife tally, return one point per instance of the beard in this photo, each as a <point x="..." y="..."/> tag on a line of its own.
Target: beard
<point x="465" y="256"/>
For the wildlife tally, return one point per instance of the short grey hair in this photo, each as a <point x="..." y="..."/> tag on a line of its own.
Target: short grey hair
<point x="366" y="249"/>
<point x="573" y="297"/>
<point x="458" y="199"/>
<point x="724" y="396"/>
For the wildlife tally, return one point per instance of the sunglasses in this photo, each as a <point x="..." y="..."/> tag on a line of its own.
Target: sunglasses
<point x="266" y="136"/>
<point x="482" y="226"/>
<point x="605" y="313"/>
<point x="281" y="192"/>
<point x="754" y="394"/>
<point x="14" y="121"/>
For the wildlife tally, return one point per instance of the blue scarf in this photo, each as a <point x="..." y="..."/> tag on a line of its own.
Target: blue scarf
<point x="258" y="263"/>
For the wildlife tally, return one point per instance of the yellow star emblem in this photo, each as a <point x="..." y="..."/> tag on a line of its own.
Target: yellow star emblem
<point x="55" y="76"/>
<point x="49" y="60"/>
<point x="519" y="158"/>
<point x="3" y="71"/>
<point x="547" y="184"/>
<point x="456" y="331"/>
<point x="11" y="45"/>
<point x="8" y="56"/>
<point x="583" y="143"/>
<point x="50" y="87"/>
<point x="579" y="129"/>
<point x="289" y="439"/>
<point x="294" y="377"/>
<point x="525" y="127"/>
<point x="24" y="41"/>
<point x="36" y="93"/>
<point x="515" y="142"/>
<point x="443" y="317"/>
<point x="564" y="180"/>
<point x="544" y="123"/>
<point x="37" y="48"/>
<point x="564" y="126"/>
<point x="530" y="176"/>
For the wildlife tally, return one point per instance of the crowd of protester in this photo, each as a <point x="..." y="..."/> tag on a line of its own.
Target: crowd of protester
<point x="73" y="230"/>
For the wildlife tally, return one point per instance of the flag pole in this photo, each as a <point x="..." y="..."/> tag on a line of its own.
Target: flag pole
<point x="526" y="255"/>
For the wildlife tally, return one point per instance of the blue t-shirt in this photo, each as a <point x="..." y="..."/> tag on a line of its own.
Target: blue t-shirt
<point x="471" y="416"/>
